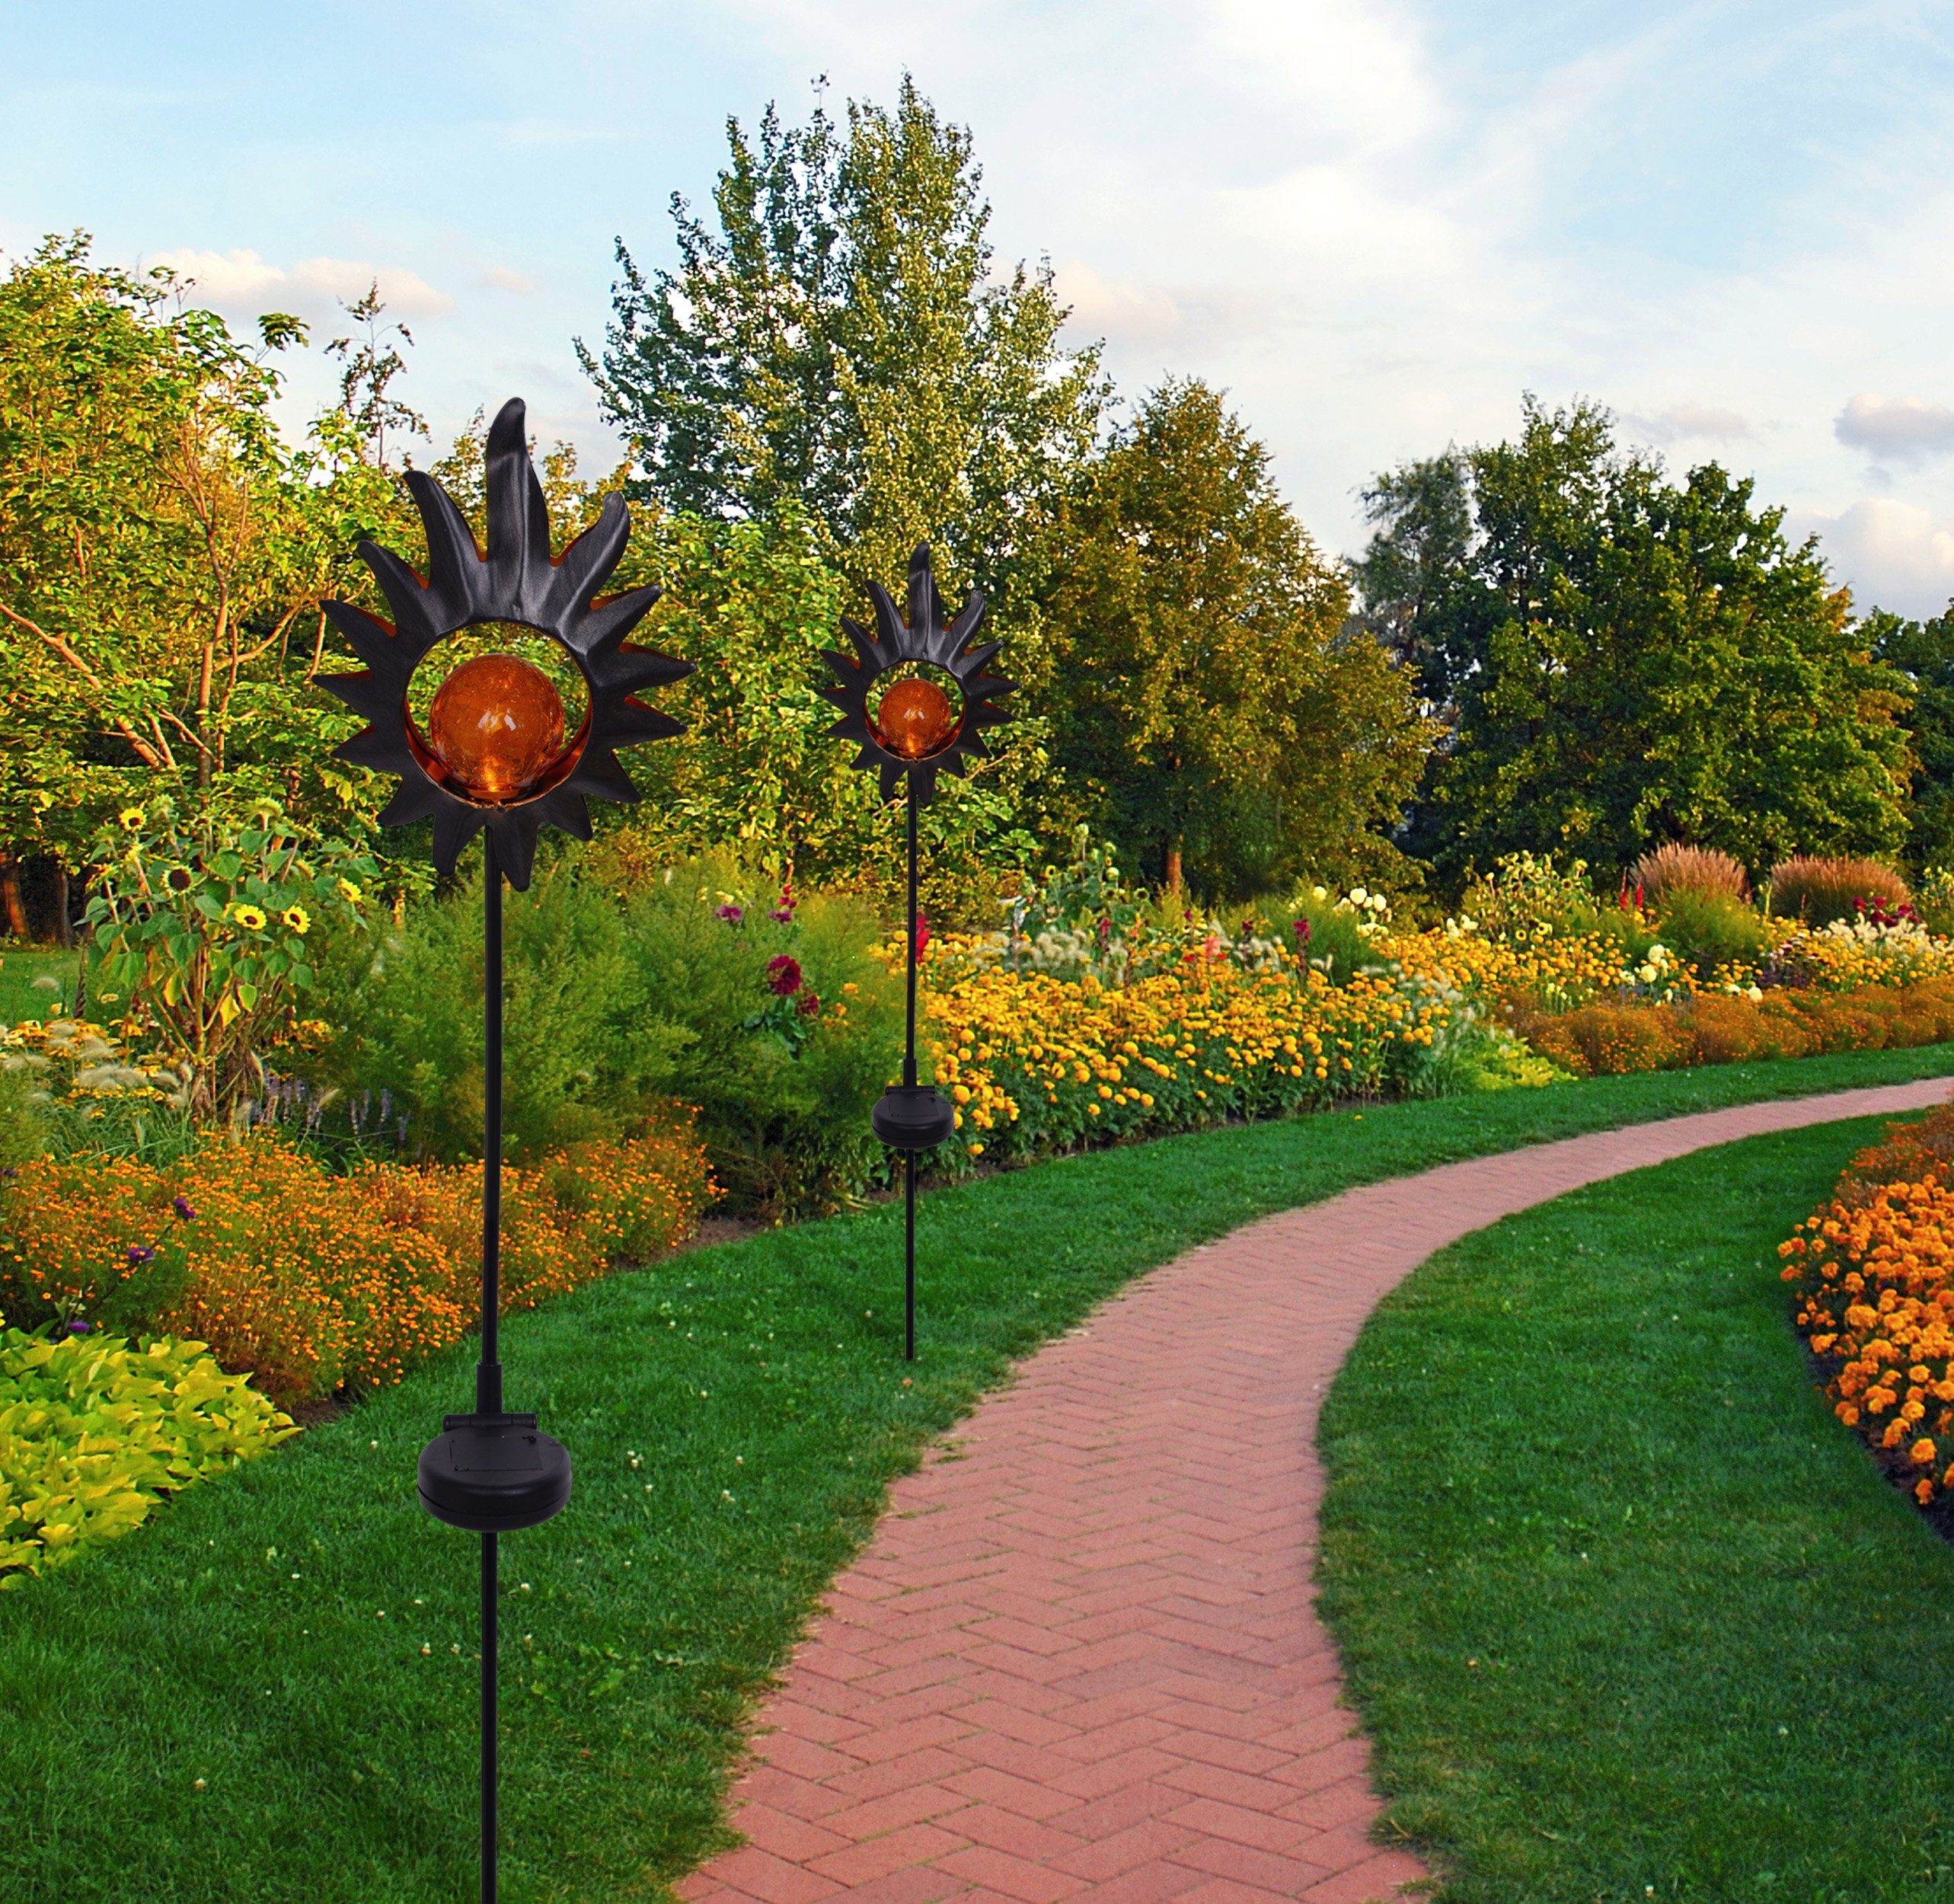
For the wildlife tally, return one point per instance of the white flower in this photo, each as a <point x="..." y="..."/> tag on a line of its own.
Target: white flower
<point x="1358" y="896"/>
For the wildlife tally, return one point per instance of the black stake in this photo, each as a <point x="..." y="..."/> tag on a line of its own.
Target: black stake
<point x="488" y="1370"/>
<point x="909" y="1078"/>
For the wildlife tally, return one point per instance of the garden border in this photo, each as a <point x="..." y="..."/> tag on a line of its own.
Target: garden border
<point x="1080" y="1653"/>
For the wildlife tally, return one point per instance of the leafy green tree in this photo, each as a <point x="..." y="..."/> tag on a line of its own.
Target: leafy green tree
<point x="842" y="340"/>
<point x="1225" y="724"/>
<point x="1923" y="652"/>
<point x="162" y="556"/>
<point x="1625" y="661"/>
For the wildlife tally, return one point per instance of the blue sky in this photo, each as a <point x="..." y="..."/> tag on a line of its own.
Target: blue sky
<point x="1375" y="222"/>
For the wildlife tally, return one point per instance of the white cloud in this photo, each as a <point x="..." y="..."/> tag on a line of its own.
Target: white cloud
<point x="1103" y="306"/>
<point x="240" y="280"/>
<point x="1896" y="429"/>
<point x="501" y="278"/>
<point x="1892" y="555"/>
<point x="1682" y="422"/>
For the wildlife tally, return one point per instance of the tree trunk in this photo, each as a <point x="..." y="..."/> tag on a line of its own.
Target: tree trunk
<point x="16" y="914"/>
<point x="1174" y="869"/>
<point x="63" y="930"/>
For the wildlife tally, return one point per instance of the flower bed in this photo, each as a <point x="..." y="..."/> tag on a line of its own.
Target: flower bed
<point x="313" y="1282"/>
<point x="94" y="1431"/>
<point x="1874" y="1271"/>
<point x="1037" y="1063"/>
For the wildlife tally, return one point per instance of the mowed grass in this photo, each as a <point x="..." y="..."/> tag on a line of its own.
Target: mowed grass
<point x="20" y="967"/>
<point x="1626" y="1614"/>
<point x="299" y="1635"/>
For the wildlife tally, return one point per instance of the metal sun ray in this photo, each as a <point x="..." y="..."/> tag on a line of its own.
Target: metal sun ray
<point x="929" y="635"/>
<point x="516" y="580"/>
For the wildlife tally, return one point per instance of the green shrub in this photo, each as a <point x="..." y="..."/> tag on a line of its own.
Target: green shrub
<point x="784" y="1079"/>
<point x="95" y="1430"/>
<point x="1332" y="943"/>
<point x="1819" y="891"/>
<point x="1710" y="929"/>
<point x="585" y="1050"/>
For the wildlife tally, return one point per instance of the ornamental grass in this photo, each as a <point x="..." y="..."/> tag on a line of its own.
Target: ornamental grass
<point x="315" y="1282"/>
<point x="1674" y="868"/>
<point x="1819" y="890"/>
<point x="1875" y="1275"/>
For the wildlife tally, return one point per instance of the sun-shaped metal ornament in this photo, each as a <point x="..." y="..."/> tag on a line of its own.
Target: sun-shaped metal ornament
<point x="494" y="755"/>
<point x="915" y="729"/>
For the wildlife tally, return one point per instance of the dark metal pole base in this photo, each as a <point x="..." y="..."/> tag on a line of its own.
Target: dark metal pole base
<point x="491" y="1473"/>
<point x="913" y="1117"/>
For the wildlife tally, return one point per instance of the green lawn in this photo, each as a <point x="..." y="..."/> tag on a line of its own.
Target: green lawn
<point x="20" y="967"/>
<point x="734" y="1415"/>
<point x="1627" y="1613"/>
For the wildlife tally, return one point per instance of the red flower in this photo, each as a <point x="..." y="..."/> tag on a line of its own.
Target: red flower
<point x="783" y="976"/>
<point x="809" y="1004"/>
<point x="922" y="933"/>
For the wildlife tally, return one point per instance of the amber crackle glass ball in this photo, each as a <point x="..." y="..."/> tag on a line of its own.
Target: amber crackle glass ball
<point x="495" y="726"/>
<point x="915" y="719"/>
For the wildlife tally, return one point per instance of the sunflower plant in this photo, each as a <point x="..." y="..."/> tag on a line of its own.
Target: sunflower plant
<point x="206" y="923"/>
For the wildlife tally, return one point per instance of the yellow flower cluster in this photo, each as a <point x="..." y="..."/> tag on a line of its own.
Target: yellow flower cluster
<point x="1557" y="970"/>
<point x="1874" y="1271"/>
<point x="1033" y="1062"/>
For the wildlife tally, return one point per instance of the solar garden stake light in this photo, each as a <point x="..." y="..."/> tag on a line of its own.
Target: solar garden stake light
<point x="493" y="758"/>
<point x="914" y="731"/>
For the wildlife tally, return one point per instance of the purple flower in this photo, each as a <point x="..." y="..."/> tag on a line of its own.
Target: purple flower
<point x="783" y="976"/>
<point x="78" y="1327"/>
<point x="181" y="1205"/>
<point x="809" y="1004"/>
<point x="1301" y="929"/>
<point x="732" y="914"/>
<point x="140" y="1253"/>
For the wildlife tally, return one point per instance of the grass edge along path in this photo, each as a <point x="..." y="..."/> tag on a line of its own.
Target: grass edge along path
<point x="269" y="1693"/>
<point x="1625" y="1613"/>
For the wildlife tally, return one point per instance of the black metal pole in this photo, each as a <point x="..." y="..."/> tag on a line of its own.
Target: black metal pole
<point x="488" y="1370"/>
<point x="909" y="1078"/>
<point x="489" y="1717"/>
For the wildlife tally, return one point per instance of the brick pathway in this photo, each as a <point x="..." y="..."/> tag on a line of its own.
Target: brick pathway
<point x="1079" y="1657"/>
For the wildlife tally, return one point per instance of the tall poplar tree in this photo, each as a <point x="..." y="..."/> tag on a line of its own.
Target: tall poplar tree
<point x="837" y="337"/>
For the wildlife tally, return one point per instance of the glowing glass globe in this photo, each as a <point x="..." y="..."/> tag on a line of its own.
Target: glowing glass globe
<point x="914" y="719"/>
<point x="496" y="727"/>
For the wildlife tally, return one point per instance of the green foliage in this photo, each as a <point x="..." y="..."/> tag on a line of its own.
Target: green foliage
<point x="1325" y="928"/>
<point x="1710" y="929"/>
<point x="1213" y="711"/>
<point x="585" y="1049"/>
<point x="1525" y="892"/>
<point x="95" y="1430"/>
<point x="1933" y="899"/>
<point x="784" y="1076"/>
<point x="22" y="1127"/>
<point x="614" y="1005"/>
<point x="1923" y="652"/>
<point x="203" y="923"/>
<point x="754" y="604"/>
<point x="163" y="553"/>
<point x="843" y="342"/>
<point x="1624" y="660"/>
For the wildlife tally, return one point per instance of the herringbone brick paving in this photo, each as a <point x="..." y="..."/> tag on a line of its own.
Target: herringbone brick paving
<point x="1080" y="1655"/>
